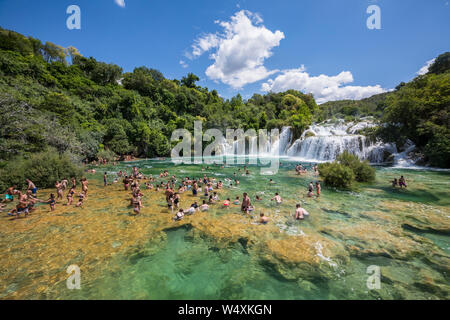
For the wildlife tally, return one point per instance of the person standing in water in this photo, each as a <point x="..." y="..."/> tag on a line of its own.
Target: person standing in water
<point x="52" y="202"/>
<point x="300" y="213"/>
<point x="402" y="182"/>
<point x="245" y="206"/>
<point x="84" y="186"/>
<point x="318" y="188"/>
<point x="32" y="187"/>
<point x="70" y="196"/>
<point x="59" y="190"/>
<point x="105" y="181"/>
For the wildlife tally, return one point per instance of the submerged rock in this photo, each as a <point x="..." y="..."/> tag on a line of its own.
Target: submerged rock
<point x="369" y="238"/>
<point x="306" y="257"/>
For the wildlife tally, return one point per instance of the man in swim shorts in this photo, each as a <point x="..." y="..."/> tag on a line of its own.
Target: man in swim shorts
<point x="31" y="187"/>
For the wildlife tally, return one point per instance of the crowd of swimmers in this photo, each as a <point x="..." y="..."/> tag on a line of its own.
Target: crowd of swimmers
<point x="28" y="199"/>
<point x="300" y="169"/>
<point x="173" y="188"/>
<point x="204" y="187"/>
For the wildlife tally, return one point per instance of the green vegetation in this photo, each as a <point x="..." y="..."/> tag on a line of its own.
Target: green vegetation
<point x="43" y="168"/>
<point x="420" y="111"/>
<point x="345" y="170"/>
<point x="361" y="169"/>
<point x="336" y="175"/>
<point x="52" y="96"/>
<point x="353" y="109"/>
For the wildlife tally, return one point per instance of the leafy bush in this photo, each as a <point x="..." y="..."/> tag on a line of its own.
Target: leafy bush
<point x="106" y="154"/>
<point x="44" y="169"/>
<point x="345" y="170"/>
<point x="336" y="175"/>
<point x="362" y="170"/>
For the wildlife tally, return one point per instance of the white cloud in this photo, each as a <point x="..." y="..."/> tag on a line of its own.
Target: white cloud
<point x="184" y="64"/>
<point x="324" y="88"/>
<point x="120" y="3"/>
<point x="240" y="51"/>
<point x="424" y="69"/>
<point x="203" y="44"/>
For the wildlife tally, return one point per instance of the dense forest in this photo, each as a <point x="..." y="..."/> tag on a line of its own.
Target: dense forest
<point x="52" y="99"/>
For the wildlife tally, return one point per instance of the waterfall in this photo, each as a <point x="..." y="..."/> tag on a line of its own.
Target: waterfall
<point x="326" y="140"/>
<point x="278" y="146"/>
<point x="321" y="142"/>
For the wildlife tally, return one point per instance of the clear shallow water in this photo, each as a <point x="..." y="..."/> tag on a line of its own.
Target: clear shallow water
<point x="224" y="255"/>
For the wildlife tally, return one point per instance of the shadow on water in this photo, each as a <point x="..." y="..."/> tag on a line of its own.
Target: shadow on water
<point x="422" y="196"/>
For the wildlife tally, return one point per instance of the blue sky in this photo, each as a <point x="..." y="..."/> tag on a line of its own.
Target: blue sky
<point x="251" y="46"/>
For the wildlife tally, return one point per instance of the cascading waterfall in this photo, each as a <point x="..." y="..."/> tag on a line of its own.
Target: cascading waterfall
<point x="319" y="143"/>
<point x="326" y="140"/>
<point x="278" y="146"/>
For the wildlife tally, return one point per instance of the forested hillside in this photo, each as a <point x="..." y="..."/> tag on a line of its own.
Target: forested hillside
<point x="52" y="99"/>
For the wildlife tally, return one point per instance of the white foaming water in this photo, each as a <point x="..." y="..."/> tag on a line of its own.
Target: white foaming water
<point x="319" y="253"/>
<point x="277" y="147"/>
<point x="322" y="142"/>
<point x="402" y="159"/>
<point x="326" y="140"/>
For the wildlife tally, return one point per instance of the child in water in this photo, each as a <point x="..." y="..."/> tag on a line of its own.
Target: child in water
<point x="263" y="219"/>
<point x="394" y="183"/>
<point x="80" y="199"/>
<point x="52" y="202"/>
<point x="277" y="198"/>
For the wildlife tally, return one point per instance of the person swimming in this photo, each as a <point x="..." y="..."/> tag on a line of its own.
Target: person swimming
<point x="204" y="206"/>
<point x="263" y="219"/>
<point x="277" y="198"/>
<point x="179" y="215"/>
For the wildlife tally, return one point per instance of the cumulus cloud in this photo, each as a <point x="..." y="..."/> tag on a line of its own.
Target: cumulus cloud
<point x="424" y="69"/>
<point x="240" y="49"/>
<point x="120" y="3"/>
<point x="323" y="87"/>
<point x="184" y="64"/>
<point x="203" y="44"/>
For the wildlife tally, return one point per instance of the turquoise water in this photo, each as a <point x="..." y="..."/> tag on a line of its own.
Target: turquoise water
<point x="404" y="232"/>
